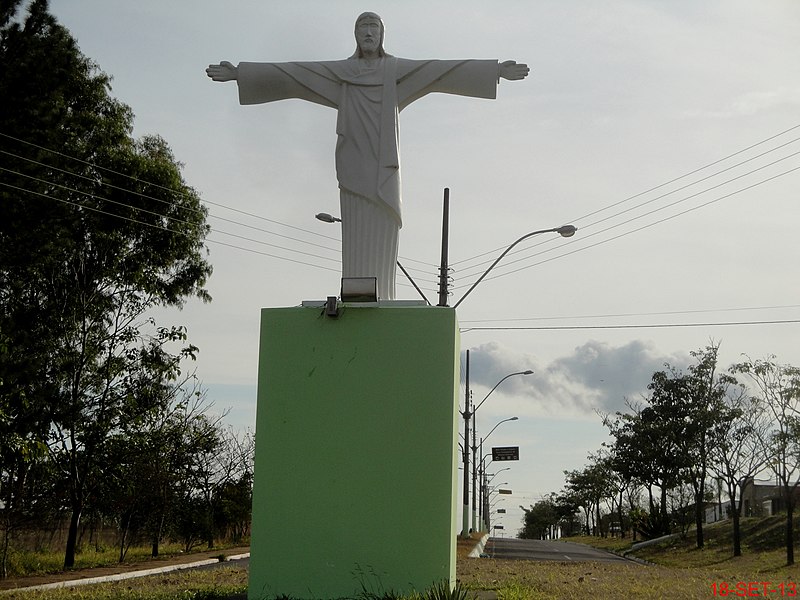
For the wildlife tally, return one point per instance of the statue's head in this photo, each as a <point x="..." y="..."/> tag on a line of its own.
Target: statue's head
<point x="369" y="35"/>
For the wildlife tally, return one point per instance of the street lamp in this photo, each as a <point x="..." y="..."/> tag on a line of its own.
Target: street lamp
<point x="475" y="460"/>
<point x="526" y="372"/>
<point x="486" y="479"/>
<point x="496" y="473"/>
<point x="483" y="439"/>
<point x="469" y="414"/>
<point x="327" y="218"/>
<point x="563" y="231"/>
<point x="486" y="490"/>
<point x="497" y="500"/>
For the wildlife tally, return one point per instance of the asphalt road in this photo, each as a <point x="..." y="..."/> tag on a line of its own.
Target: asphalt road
<point x="542" y="550"/>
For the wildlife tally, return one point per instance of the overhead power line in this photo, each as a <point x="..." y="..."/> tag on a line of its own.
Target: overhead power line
<point x="584" y="227"/>
<point x="636" y="314"/>
<point x="159" y="200"/>
<point x="161" y="227"/>
<point x="205" y="201"/>
<point x="650" y="326"/>
<point x="583" y="238"/>
<point x="632" y="231"/>
<point x="149" y="212"/>
<point x="503" y="269"/>
<point x="170" y="190"/>
<point x="659" y="186"/>
<point x="170" y="218"/>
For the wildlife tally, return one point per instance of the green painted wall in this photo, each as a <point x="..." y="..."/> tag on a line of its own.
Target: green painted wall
<point x="356" y="448"/>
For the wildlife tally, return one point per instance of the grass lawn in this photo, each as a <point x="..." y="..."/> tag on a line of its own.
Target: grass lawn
<point x="217" y="584"/>
<point x="677" y="569"/>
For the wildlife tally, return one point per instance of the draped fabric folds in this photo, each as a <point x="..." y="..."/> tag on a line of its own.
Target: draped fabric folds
<point x="368" y="95"/>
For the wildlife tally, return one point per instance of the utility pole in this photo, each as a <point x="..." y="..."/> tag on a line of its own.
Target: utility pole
<point x="474" y="475"/>
<point x="467" y="415"/>
<point x="444" y="266"/>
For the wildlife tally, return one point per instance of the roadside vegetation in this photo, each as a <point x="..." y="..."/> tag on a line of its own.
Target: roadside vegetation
<point x="699" y="446"/>
<point x="109" y="452"/>
<point x="224" y="583"/>
<point x="673" y="568"/>
<point x="37" y="564"/>
<point x="107" y="440"/>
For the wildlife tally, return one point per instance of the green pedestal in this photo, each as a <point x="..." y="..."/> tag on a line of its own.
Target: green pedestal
<point x="356" y="451"/>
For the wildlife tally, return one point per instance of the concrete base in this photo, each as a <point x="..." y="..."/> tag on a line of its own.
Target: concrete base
<point x="356" y="452"/>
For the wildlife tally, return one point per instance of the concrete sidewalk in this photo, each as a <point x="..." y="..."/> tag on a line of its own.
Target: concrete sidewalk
<point x="119" y="572"/>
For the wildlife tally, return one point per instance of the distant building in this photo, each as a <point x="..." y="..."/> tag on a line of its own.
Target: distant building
<point x="718" y="511"/>
<point x="763" y="499"/>
<point x="756" y="499"/>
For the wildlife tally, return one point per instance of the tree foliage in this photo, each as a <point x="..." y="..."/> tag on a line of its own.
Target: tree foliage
<point x="739" y="455"/>
<point x="667" y="441"/>
<point x="539" y="520"/>
<point x="691" y="425"/>
<point x="778" y="390"/>
<point x="96" y="229"/>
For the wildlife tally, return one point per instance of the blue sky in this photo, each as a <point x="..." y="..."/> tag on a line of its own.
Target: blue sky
<point x="641" y="123"/>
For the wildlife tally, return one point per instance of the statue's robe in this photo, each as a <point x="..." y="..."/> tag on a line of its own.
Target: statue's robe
<point x="368" y="95"/>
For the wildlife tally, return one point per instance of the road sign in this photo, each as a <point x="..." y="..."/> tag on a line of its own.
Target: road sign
<point x="501" y="511"/>
<point x="506" y="492"/>
<point x="505" y="453"/>
<point x="499" y="527"/>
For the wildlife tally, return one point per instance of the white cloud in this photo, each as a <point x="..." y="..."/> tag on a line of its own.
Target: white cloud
<point x="596" y="376"/>
<point x="751" y="103"/>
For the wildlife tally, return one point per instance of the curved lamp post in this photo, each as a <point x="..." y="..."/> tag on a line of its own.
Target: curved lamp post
<point x="470" y="414"/>
<point x="475" y="499"/>
<point x="495" y="474"/>
<point x="563" y="231"/>
<point x="486" y="479"/>
<point x="483" y="439"/>
<point x="526" y="372"/>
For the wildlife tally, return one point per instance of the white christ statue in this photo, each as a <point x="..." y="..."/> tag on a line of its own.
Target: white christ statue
<point x="368" y="90"/>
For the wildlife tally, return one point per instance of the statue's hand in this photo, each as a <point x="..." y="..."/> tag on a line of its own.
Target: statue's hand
<point x="224" y="71"/>
<point x="513" y="71"/>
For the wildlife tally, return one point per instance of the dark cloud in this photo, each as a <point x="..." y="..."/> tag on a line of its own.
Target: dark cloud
<point x="595" y="377"/>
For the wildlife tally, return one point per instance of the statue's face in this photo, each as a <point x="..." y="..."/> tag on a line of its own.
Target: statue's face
<point x="368" y="35"/>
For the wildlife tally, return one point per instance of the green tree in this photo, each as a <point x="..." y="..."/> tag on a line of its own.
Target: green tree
<point x="202" y="477"/>
<point x="567" y="513"/>
<point x="738" y="456"/>
<point x="96" y="229"/>
<point x="150" y="466"/>
<point x="620" y="484"/>
<point x="667" y="443"/>
<point x="234" y="495"/>
<point x="705" y="410"/>
<point x="778" y="388"/>
<point x="540" y="520"/>
<point x="587" y="488"/>
<point x="647" y="449"/>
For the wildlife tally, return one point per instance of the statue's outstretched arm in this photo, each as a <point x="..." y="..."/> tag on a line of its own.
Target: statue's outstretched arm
<point x="224" y="71"/>
<point x="512" y="70"/>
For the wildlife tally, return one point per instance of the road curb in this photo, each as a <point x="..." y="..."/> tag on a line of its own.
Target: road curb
<point x="128" y="575"/>
<point x="478" y="549"/>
